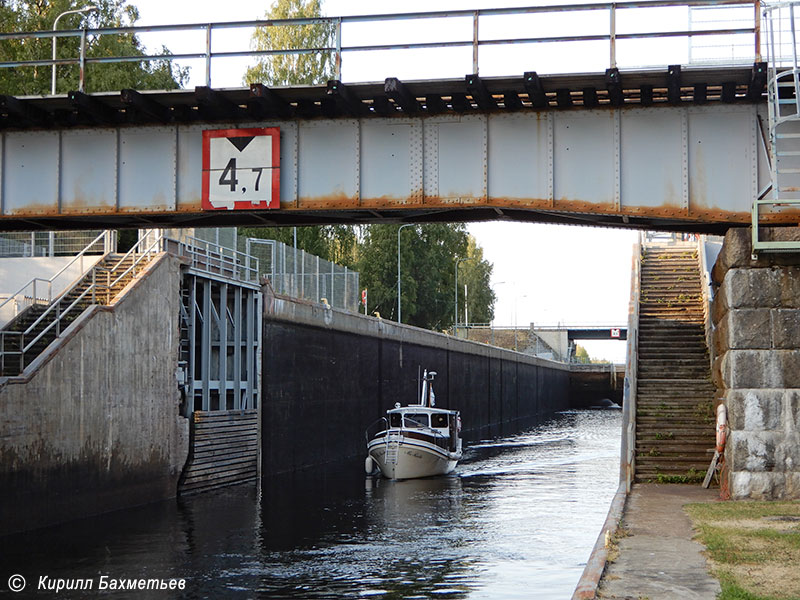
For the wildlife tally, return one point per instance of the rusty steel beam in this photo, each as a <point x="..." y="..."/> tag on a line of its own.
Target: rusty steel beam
<point x="658" y="166"/>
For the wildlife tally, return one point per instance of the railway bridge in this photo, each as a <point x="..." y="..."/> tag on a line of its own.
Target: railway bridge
<point x="707" y="146"/>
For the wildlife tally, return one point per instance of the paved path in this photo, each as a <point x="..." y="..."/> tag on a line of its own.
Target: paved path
<point x="659" y="560"/>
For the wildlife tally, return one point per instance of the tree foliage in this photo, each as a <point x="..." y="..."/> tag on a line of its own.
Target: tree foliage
<point x="336" y="243"/>
<point x="581" y="355"/>
<point x="293" y="69"/>
<point x="428" y="255"/>
<point x="39" y="15"/>
<point x="476" y="274"/>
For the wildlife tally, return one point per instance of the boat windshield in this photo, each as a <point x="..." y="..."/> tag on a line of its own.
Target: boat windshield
<point x="395" y="419"/>
<point x="439" y="420"/>
<point x="416" y="420"/>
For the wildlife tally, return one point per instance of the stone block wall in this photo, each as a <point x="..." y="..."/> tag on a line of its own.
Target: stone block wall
<point x="756" y="316"/>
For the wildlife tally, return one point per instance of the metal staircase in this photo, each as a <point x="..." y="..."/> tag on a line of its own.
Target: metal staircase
<point x="28" y="334"/>
<point x="783" y="91"/>
<point x="674" y="415"/>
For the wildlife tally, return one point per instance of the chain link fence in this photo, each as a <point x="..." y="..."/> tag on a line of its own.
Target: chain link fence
<point x="20" y="244"/>
<point x="294" y="272"/>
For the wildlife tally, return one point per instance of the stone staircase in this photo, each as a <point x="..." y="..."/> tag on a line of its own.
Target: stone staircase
<point x="99" y="285"/>
<point x="674" y="405"/>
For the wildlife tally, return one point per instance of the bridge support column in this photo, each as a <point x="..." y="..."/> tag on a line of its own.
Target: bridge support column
<point x="756" y="316"/>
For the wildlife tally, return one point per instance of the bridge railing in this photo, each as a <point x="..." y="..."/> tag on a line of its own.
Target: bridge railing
<point x="731" y="28"/>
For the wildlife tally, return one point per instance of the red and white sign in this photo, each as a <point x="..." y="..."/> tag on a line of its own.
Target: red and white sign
<point x="615" y="332"/>
<point x="241" y="168"/>
<point x="364" y="297"/>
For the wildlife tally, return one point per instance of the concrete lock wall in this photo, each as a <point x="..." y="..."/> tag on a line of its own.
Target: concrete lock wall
<point x="96" y="427"/>
<point x="756" y="316"/>
<point x="354" y="368"/>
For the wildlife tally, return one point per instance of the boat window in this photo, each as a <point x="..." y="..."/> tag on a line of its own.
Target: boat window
<point x="416" y="420"/>
<point x="395" y="419"/>
<point x="438" y="420"/>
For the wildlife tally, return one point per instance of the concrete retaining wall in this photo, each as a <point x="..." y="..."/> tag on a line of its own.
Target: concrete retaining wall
<point x="94" y="426"/>
<point x="756" y="317"/>
<point x="355" y="367"/>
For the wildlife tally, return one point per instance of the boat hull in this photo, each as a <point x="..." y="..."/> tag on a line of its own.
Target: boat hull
<point x="409" y="459"/>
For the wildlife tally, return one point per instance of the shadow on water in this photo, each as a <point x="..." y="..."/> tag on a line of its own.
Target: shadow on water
<point x="517" y="519"/>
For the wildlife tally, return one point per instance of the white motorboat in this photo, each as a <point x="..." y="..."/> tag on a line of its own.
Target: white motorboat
<point x="418" y="440"/>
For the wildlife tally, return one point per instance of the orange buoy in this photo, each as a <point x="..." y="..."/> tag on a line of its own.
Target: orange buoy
<point x="722" y="427"/>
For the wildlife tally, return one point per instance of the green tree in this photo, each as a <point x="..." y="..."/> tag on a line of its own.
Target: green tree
<point x="293" y="69"/>
<point x="336" y="243"/>
<point x="427" y="261"/>
<point x="581" y="355"/>
<point x="36" y="15"/>
<point x="476" y="274"/>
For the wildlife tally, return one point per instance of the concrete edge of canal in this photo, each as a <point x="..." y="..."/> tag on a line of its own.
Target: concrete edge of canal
<point x="590" y="578"/>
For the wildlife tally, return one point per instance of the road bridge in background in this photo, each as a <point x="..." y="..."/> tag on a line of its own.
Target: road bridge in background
<point x="665" y="148"/>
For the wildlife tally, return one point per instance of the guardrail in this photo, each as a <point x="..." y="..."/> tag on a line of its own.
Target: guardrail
<point x="101" y="286"/>
<point x="612" y="13"/>
<point x="208" y="257"/>
<point x="40" y="291"/>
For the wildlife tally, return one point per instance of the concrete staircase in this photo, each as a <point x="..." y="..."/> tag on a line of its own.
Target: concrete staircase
<point x="674" y="406"/>
<point x="27" y="335"/>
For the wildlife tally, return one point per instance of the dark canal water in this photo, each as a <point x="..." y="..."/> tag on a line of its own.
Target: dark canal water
<point x="517" y="519"/>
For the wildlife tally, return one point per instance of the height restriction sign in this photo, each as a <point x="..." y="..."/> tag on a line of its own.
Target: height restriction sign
<point x="241" y="168"/>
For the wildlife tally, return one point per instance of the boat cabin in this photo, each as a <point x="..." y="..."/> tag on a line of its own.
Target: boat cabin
<point x="435" y="425"/>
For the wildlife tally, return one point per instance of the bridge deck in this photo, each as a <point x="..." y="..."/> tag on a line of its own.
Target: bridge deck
<point x="391" y="98"/>
<point x="649" y="149"/>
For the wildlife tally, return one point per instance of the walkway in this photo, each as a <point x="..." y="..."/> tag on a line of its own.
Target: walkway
<point x="659" y="560"/>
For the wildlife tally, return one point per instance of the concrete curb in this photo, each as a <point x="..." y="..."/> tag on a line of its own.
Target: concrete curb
<point x="587" y="584"/>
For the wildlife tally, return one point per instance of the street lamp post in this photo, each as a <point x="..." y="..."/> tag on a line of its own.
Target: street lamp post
<point x="88" y="9"/>
<point x="399" y="313"/>
<point x="455" y="306"/>
<point x="515" y="319"/>
<point x="491" y="325"/>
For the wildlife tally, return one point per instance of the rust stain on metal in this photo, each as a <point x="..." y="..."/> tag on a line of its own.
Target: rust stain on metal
<point x="33" y="209"/>
<point x="340" y="202"/>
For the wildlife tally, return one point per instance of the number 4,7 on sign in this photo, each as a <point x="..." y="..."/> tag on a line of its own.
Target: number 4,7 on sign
<point x="241" y="168"/>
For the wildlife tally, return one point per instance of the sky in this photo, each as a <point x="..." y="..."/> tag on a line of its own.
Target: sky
<point x="543" y="274"/>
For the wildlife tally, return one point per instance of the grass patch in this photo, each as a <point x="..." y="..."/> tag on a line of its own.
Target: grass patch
<point x="691" y="476"/>
<point x="754" y="547"/>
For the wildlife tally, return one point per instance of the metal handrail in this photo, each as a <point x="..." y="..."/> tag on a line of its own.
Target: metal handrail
<point x="338" y="49"/>
<point x="56" y="314"/>
<point x="104" y="236"/>
<point x="155" y="246"/>
<point x="240" y="266"/>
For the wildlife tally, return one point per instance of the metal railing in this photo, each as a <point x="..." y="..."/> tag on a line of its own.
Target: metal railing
<point x="40" y="291"/>
<point x="208" y="257"/>
<point x="612" y="15"/>
<point x="139" y="257"/>
<point x="24" y="244"/>
<point x="783" y="93"/>
<point x="100" y="289"/>
<point x="299" y="274"/>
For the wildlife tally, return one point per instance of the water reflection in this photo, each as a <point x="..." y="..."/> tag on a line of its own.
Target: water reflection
<point x="517" y="519"/>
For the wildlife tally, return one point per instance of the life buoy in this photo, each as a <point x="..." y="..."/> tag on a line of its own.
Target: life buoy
<point x="722" y="427"/>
